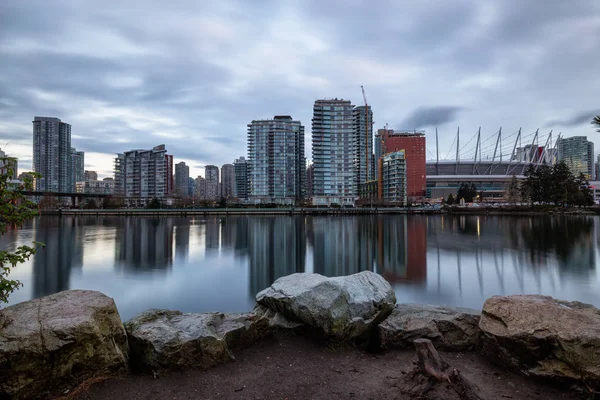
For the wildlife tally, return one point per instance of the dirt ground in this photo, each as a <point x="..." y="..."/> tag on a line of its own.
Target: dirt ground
<point x="295" y="368"/>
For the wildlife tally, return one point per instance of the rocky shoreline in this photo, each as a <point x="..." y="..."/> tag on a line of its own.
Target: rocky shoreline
<point x="51" y="345"/>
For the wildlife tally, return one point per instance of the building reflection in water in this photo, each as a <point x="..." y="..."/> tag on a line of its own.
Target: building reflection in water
<point x="276" y="247"/>
<point x="182" y="237"/>
<point x="212" y="234"/>
<point x="63" y="251"/>
<point x="394" y="247"/>
<point x="145" y="243"/>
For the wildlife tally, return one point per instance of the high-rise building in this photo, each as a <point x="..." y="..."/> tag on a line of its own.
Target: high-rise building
<point x="211" y="174"/>
<point x="90" y="176"/>
<point x="228" y="181"/>
<point x="52" y="155"/>
<point x="578" y="153"/>
<point x="191" y="186"/>
<point x="597" y="177"/>
<point x="378" y="150"/>
<point x="77" y="167"/>
<point x="7" y="163"/>
<point x="392" y="177"/>
<point x="413" y="144"/>
<point x="363" y="144"/>
<point x="310" y="172"/>
<point x="142" y="175"/>
<point x="182" y="174"/>
<point x="333" y="152"/>
<point x="200" y="187"/>
<point x="277" y="167"/>
<point x="240" y="166"/>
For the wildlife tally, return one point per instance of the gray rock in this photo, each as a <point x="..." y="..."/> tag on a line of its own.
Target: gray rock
<point x="543" y="337"/>
<point x="276" y="321"/>
<point x="56" y="342"/>
<point x="171" y="340"/>
<point x="449" y="328"/>
<point x="346" y="307"/>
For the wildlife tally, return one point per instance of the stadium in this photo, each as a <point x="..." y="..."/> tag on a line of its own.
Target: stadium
<point x="490" y="163"/>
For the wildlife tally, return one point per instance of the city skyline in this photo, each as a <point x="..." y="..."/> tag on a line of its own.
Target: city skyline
<point x="124" y="85"/>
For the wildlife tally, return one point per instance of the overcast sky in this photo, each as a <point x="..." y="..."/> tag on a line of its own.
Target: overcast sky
<point x="192" y="74"/>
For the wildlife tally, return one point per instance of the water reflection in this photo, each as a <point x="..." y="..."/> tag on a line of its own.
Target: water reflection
<point x="52" y="265"/>
<point x="145" y="244"/>
<point x="457" y="260"/>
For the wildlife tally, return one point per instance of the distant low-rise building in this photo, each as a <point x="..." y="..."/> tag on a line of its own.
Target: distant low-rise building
<point x="90" y="176"/>
<point x="369" y="190"/>
<point x="105" y="186"/>
<point x="7" y="163"/>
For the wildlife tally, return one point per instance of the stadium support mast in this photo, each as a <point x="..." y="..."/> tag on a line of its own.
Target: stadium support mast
<point x="496" y="148"/>
<point x="457" y="148"/>
<point x="545" y="147"/>
<point x="512" y="156"/>
<point x="530" y="159"/>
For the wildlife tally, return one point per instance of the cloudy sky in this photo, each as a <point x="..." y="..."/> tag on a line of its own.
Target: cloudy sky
<point x="191" y="74"/>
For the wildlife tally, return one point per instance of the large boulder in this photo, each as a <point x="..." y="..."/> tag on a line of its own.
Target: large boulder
<point x="56" y="342"/>
<point x="346" y="307"/>
<point x="449" y="328"/>
<point x="543" y="337"/>
<point x="162" y="340"/>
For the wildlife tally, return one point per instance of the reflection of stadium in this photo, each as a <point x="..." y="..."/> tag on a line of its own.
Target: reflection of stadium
<point x="144" y="243"/>
<point x="63" y="240"/>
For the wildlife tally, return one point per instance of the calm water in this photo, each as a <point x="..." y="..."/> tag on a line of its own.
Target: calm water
<point x="220" y="263"/>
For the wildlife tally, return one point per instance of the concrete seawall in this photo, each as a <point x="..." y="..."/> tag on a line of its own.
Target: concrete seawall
<point x="243" y="211"/>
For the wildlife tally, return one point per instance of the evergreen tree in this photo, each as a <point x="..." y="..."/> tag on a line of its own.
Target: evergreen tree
<point x="450" y="201"/>
<point x="513" y="190"/>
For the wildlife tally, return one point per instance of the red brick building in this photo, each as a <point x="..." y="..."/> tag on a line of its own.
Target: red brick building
<point x="413" y="144"/>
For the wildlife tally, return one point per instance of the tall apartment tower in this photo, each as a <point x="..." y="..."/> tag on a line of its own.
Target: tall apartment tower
<point x="200" y="188"/>
<point x="182" y="174"/>
<point x="310" y="172"/>
<point x="228" y="181"/>
<point x="142" y="175"/>
<point x="52" y="155"/>
<point x="211" y="174"/>
<point x="77" y="167"/>
<point x="333" y="152"/>
<point x="578" y="153"/>
<point x="378" y="149"/>
<point x="277" y="166"/>
<point x="362" y="125"/>
<point x="240" y="166"/>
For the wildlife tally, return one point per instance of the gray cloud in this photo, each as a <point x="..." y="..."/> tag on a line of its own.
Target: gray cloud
<point x="424" y="117"/>
<point x="195" y="80"/>
<point x="576" y="120"/>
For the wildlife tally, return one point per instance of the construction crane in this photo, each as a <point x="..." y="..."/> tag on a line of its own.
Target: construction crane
<point x="366" y="133"/>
